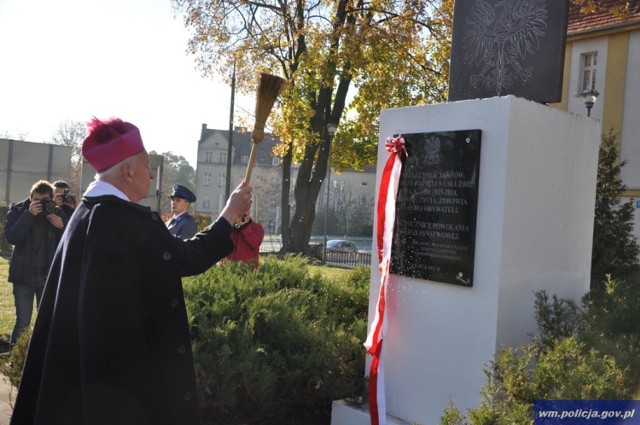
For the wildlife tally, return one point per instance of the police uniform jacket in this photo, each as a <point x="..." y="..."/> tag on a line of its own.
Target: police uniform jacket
<point x="184" y="226"/>
<point x="111" y="341"/>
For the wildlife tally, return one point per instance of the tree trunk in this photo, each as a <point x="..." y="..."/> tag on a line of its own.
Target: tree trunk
<point x="286" y="213"/>
<point x="306" y="194"/>
<point x="314" y="167"/>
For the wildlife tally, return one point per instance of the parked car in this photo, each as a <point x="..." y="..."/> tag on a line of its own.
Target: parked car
<point x="339" y="245"/>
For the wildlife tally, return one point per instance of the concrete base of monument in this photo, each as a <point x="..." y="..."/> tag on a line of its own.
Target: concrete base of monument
<point x="343" y="413"/>
<point x="534" y="215"/>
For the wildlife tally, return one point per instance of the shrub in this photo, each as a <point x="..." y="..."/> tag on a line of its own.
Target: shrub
<point x="451" y="415"/>
<point x="559" y="319"/>
<point x="11" y="364"/>
<point x="613" y="325"/>
<point x="608" y="321"/>
<point x="615" y="248"/>
<point x="589" y="351"/>
<point x="202" y="220"/>
<point x="277" y="344"/>
<point x="566" y="371"/>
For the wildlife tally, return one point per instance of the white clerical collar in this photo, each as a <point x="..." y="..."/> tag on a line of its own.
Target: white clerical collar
<point x="102" y="188"/>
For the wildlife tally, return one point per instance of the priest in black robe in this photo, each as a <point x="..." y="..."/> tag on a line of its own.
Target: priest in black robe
<point x="111" y="341"/>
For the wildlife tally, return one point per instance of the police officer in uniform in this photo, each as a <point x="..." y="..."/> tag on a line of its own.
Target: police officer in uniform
<point x="182" y="225"/>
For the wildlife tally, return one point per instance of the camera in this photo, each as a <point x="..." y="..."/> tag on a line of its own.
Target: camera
<point x="66" y="197"/>
<point x="48" y="206"/>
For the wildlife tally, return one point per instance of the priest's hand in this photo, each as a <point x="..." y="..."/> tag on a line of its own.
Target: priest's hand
<point x="238" y="204"/>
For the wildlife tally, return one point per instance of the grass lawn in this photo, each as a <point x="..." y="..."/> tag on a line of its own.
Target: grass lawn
<point x="7" y="310"/>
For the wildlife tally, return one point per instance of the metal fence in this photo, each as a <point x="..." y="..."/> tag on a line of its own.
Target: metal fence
<point x="348" y="260"/>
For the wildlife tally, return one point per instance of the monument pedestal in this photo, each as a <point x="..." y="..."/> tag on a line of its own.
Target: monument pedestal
<point x="534" y="226"/>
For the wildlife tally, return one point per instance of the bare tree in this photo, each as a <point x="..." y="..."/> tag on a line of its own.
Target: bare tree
<point x="72" y="134"/>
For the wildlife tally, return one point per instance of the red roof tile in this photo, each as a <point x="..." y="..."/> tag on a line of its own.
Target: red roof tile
<point x="608" y="14"/>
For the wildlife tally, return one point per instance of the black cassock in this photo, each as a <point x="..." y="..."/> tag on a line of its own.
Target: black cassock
<point x="111" y="341"/>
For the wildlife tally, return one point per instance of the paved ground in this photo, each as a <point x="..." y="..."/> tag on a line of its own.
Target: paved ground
<point x="7" y="397"/>
<point x="7" y="392"/>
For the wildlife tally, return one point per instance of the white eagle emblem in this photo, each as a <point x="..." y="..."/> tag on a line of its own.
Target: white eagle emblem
<point x="498" y="36"/>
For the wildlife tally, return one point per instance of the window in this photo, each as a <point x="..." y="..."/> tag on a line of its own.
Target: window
<point x="275" y="161"/>
<point x="221" y="180"/>
<point x="244" y="159"/>
<point x="207" y="179"/>
<point x="206" y="203"/>
<point x="223" y="157"/>
<point x="363" y="199"/>
<point x="208" y="156"/>
<point x="589" y="62"/>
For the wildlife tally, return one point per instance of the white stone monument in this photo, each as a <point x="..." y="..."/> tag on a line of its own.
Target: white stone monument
<point x="534" y="225"/>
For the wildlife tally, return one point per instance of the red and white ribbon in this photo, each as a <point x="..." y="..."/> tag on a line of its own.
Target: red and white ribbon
<point x="386" y="209"/>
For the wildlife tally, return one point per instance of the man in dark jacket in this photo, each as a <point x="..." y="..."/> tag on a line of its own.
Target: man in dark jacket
<point x="182" y="225"/>
<point x="34" y="227"/>
<point x="111" y="342"/>
<point x="63" y="197"/>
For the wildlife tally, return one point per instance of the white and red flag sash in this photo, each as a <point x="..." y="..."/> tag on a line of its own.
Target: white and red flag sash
<point x="386" y="210"/>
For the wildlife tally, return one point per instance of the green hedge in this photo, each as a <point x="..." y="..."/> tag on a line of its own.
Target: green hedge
<point x="586" y="351"/>
<point x="271" y="346"/>
<point x="276" y="345"/>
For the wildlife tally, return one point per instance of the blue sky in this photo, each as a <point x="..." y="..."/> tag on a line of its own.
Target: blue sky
<point x="73" y="59"/>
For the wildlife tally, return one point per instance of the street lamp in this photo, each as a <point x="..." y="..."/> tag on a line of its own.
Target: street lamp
<point x="331" y="129"/>
<point x="589" y="97"/>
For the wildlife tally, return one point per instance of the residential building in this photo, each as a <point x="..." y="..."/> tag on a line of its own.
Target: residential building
<point x="351" y="203"/>
<point x="603" y="54"/>
<point x="351" y="195"/>
<point x="266" y="178"/>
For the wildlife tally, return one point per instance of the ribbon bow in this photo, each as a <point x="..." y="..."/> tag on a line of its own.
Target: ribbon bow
<point x="395" y="145"/>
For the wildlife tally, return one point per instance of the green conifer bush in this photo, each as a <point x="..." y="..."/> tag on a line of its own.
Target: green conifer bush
<point x="615" y="248"/>
<point x="567" y="371"/>
<point x="585" y="351"/>
<point x="277" y="344"/>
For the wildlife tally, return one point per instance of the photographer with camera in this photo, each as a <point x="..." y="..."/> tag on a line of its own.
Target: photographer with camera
<point x="34" y="228"/>
<point x="64" y="198"/>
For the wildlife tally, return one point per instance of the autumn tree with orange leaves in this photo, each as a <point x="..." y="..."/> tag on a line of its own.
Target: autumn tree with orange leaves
<point x="344" y="61"/>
